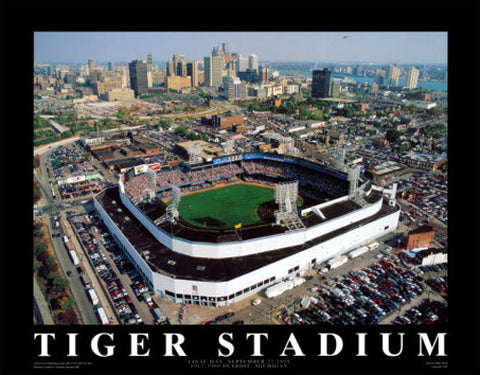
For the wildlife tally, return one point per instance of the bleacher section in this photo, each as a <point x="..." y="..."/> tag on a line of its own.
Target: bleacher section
<point x="312" y="184"/>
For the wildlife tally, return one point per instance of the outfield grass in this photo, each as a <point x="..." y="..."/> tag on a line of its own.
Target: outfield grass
<point x="226" y="206"/>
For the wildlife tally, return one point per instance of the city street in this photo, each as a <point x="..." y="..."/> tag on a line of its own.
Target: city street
<point x="84" y="306"/>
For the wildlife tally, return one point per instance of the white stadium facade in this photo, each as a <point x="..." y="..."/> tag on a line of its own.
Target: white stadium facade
<point x="218" y="266"/>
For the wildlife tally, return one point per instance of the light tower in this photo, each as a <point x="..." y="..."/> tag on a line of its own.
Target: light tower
<point x="286" y="198"/>
<point x="353" y="177"/>
<point x="171" y="214"/>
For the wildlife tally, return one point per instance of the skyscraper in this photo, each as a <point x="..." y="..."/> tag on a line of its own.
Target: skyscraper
<point x="380" y="76"/>
<point x="241" y="63"/>
<point x="192" y="71"/>
<point x="359" y="70"/>
<point x="225" y="49"/>
<point x="393" y="75"/>
<point x="213" y="66"/>
<point x="253" y="62"/>
<point x="175" y="64"/>
<point x="412" y="78"/>
<point x="171" y="70"/>
<point x="149" y="70"/>
<point x="218" y="51"/>
<point x="111" y="66"/>
<point x="334" y="89"/>
<point x="91" y="64"/>
<point x="234" y="88"/>
<point x="149" y="62"/>
<point x="321" y="83"/>
<point x="138" y="76"/>
<point x="182" y="68"/>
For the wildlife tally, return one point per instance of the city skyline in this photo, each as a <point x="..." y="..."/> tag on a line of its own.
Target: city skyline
<point x="338" y="47"/>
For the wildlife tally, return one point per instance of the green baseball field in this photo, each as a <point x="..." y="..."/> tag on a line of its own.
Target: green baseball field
<point x="225" y="206"/>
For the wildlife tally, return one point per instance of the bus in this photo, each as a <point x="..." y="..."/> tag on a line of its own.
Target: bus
<point x="102" y="316"/>
<point x="74" y="257"/>
<point x="93" y="296"/>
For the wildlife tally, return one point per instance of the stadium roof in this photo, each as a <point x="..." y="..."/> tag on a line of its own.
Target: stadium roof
<point x="163" y="260"/>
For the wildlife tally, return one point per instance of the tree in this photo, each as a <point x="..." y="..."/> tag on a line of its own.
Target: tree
<point x="39" y="248"/>
<point x="60" y="284"/>
<point x="36" y="193"/>
<point x="392" y="135"/>
<point x="66" y="302"/>
<point x="52" y="275"/>
<point x="50" y="262"/>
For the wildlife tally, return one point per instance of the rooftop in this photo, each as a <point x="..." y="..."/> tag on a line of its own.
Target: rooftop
<point x="163" y="260"/>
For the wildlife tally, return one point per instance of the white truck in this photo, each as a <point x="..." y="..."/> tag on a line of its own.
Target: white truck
<point x="278" y="289"/>
<point x="158" y="315"/>
<point x="357" y="252"/>
<point x="282" y="287"/>
<point x="337" y="262"/>
<point x="373" y="245"/>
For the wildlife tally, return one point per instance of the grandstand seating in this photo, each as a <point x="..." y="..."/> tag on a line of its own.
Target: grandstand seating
<point x="312" y="183"/>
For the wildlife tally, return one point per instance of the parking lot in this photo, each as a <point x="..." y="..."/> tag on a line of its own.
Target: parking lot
<point x="374" y="288"/>
<point x="427" y="193"/>
<point x="119" y="281"/>
<point x="71" y="175"/>
<point x="367" y="296"/>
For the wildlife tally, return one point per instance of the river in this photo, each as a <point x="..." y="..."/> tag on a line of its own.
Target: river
<point x="438" y="86"/>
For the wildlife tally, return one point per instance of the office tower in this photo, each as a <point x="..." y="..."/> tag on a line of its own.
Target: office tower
<point x="213" y="67"/>
<point x="175" y="64"/>
<point x="253" y="62"/>
<point x="182" y="68"/>
<point x="171" y="71"/>
<point x="334" y="89"/>
<point x="230" y="69"/>
<point x="218" y="51"/>
<point x="138" y="76"/>
<point x="321" y="83"/>
<point x="111" y="66"/>
<point x="91" y="65"/>
<point x="149" y="62"/>
<point x="71" y="78"/>
<point x="178" y="82"/>
<point x="192" y="72"/>
<point x="149" y="70"/>
<point x="225" y="49"/>
<point x="124" y="76"/>
<point x="412" y="78"/>
<point x="234" y="88"/>
<point x="393" y="75"/>
<point x="263" y="74"/>
<point x="359" y="70"/>
<point x="380" y="76"/>
<point x="241" y="63"/>
<point x="207" y="70"/>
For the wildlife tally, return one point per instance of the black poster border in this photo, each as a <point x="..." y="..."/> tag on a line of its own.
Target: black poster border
<point x="18" y="349"/>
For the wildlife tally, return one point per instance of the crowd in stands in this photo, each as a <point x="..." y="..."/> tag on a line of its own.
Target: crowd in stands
<point x="310" y="180"/>
<point x="136" y="185"/>
<point x="313" y="184"/>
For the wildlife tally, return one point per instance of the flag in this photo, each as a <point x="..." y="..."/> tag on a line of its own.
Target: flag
<point x="239" y="225"/>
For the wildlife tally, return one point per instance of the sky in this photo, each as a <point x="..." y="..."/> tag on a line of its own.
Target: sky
<point x="339" y="47"/>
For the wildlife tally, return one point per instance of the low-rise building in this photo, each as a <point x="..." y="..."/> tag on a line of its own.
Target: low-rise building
<point x="119" y="95"/>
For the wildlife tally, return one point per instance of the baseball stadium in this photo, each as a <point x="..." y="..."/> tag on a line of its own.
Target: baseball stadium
<point x="215" y="233"/>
